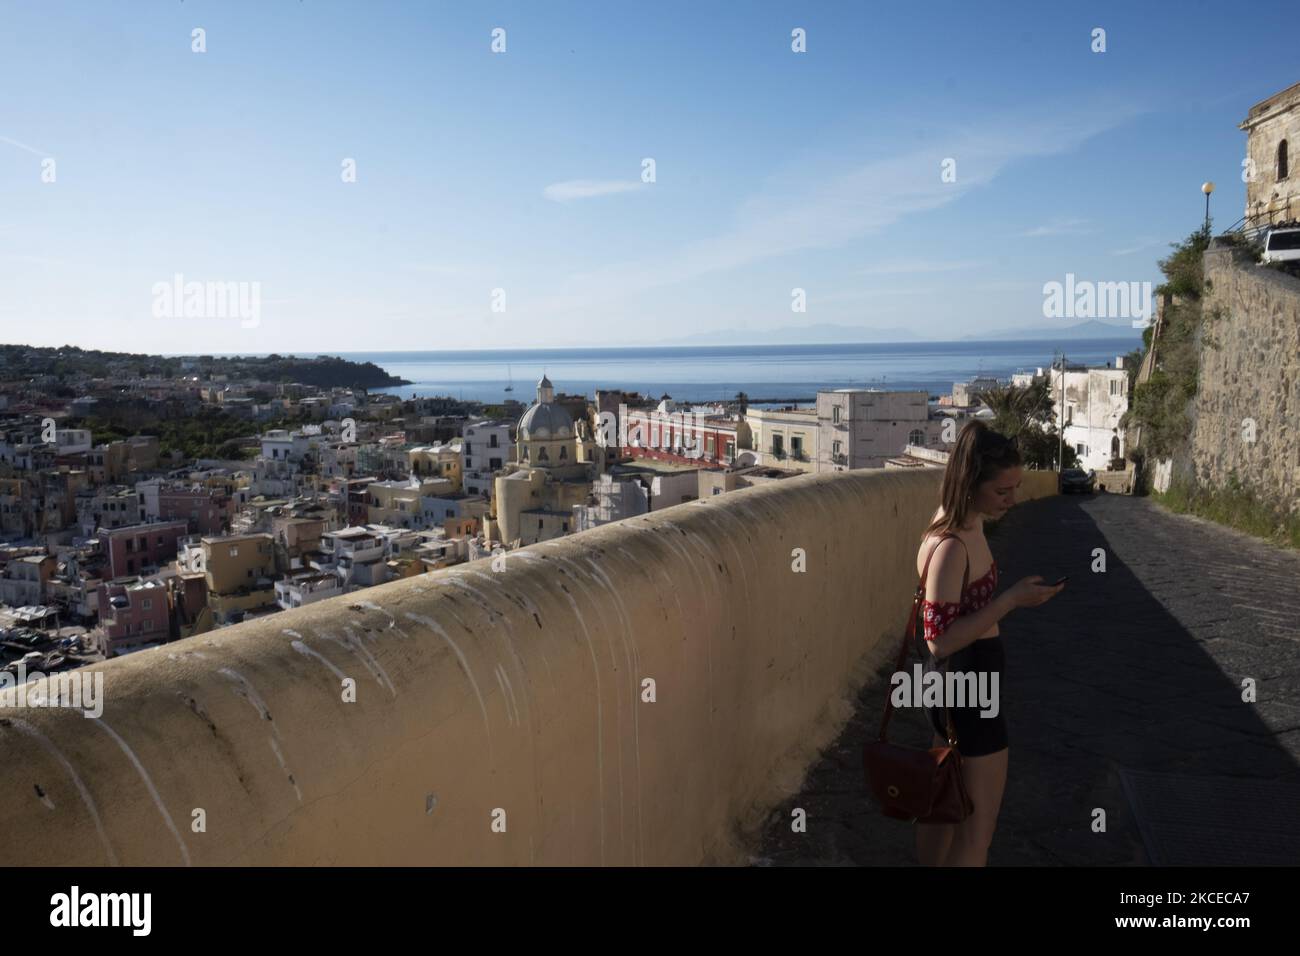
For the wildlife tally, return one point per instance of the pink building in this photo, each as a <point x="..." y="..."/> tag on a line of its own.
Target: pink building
<point x="132" y="613"/>
<point x="140" y="547"/>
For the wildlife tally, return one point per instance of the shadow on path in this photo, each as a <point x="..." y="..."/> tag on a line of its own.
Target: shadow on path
<point x="1123" y="694"/>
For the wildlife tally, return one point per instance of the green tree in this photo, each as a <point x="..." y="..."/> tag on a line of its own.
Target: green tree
<point x="1025" y="414"/>
<point x="1162" y="404"/>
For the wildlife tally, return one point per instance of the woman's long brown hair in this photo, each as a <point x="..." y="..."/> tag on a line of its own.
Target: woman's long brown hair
<point x="977" y="456"/>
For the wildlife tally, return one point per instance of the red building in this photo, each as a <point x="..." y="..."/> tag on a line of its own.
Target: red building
<point x="705" y="440"/>
<point x="140" y="547"/>
<point x="203" y="511"/>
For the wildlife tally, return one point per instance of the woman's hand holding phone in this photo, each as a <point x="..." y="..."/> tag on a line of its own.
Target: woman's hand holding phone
<point x="1033" y="591"/>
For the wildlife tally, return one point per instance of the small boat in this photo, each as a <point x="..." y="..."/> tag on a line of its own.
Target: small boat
<point x="510" y="387"/>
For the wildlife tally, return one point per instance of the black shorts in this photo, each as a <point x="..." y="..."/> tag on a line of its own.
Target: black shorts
<point x="977" y="735"/>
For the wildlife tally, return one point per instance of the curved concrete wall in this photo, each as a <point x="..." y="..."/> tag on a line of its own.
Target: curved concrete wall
<point x="499" y="716"/>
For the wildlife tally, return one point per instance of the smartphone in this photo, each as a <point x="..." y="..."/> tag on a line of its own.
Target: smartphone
<point x="1064" y="578"/>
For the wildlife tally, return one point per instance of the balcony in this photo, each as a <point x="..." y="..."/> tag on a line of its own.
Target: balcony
<point x="522" y="690"/>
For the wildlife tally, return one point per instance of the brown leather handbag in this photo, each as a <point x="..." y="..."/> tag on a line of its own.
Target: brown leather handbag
<point x="920" y="786"/>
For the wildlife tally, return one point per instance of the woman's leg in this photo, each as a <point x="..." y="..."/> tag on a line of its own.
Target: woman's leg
<point x="986" y="779"/>
<point x="933" y="840"/>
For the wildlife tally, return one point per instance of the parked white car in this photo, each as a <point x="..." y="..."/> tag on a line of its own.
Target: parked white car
<point x="1282" y="245"/>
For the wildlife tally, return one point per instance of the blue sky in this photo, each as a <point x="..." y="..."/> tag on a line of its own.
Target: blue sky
<point x="521" y="170"/>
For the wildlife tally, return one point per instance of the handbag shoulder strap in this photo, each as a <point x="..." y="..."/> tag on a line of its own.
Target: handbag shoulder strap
<point x="910" y="633"/>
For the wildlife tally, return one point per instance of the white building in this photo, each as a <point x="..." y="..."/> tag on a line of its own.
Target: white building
<point x="862" y="428"/>
<point x="281" y="445"/>
<point x="486" y="448"/>
<point x="306" y="589"/>
<point x="635" y="488"/>
<point x="1095" y="400"/>
<point x="72" y="441"/>
<point x="354" y="555"/>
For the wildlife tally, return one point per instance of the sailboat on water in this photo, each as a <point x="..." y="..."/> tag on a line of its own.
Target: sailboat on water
<point x="511" y="386"/>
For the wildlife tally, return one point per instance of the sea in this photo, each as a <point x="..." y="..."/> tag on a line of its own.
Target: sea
<point x="765" y="373"/>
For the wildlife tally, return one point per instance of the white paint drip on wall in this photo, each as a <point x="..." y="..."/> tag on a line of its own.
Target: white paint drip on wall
<point x="505" y="698"/>
<point x="509" y="690"/>
<point x="600" y="718"/>
<point x="353" y="644"/>
<point x="250" y="694"/>
<point x="434" y="626"/>
<point x="306" y="651"/>
<point x="153" y="792"/>
<point x="23" y="727"/>
<point x="634" y="674"/>
<point x="275" y="749"/>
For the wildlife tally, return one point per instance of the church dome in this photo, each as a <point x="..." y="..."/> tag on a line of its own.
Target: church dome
<point x="545" y="421"/>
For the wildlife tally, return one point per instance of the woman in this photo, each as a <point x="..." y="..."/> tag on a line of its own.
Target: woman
<point x="962" y="634"/>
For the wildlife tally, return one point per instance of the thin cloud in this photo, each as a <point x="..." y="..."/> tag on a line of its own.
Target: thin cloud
<point x="912" y="266"/>
<point x="589" y="188"/>
<point x="830" y="209"/>
<point x="1059" y="227"/>
<point x="1138" y="246"/>
<point x="31" y="149"/>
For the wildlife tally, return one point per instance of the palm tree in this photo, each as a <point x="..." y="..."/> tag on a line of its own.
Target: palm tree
<point x="1025" y="414"/>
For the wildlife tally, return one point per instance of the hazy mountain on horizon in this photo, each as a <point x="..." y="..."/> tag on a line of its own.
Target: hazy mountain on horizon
<point x="822" y="333"/>
<point x="825" y="333"/>
<point x="1091" y="329"/>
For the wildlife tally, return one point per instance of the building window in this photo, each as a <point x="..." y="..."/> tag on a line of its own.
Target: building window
<point x="234" y="551"/>
<point x="1081" y="448"/>
<point x="835" y="415"/>
<point x="731" y="450"/>
<point x="1282" y="162"/>
<point x="717" y="491"/>
<point x="916" y="437"/>
<point x="778" y="446"/>
<point x="564" y="453"/>
<point x="492" y="441"/>
<point x="542" y="456"/>
<point x="146" y="604"/>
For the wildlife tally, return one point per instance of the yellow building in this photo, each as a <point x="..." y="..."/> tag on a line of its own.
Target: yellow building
<point x="240" y="572"/>
<point x="785" y="437"/>
<point x="437" y="461"/>
<point x="534" y="499"/>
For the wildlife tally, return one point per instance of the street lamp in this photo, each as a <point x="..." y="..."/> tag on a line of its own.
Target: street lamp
<point x="1207" y="188"/>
